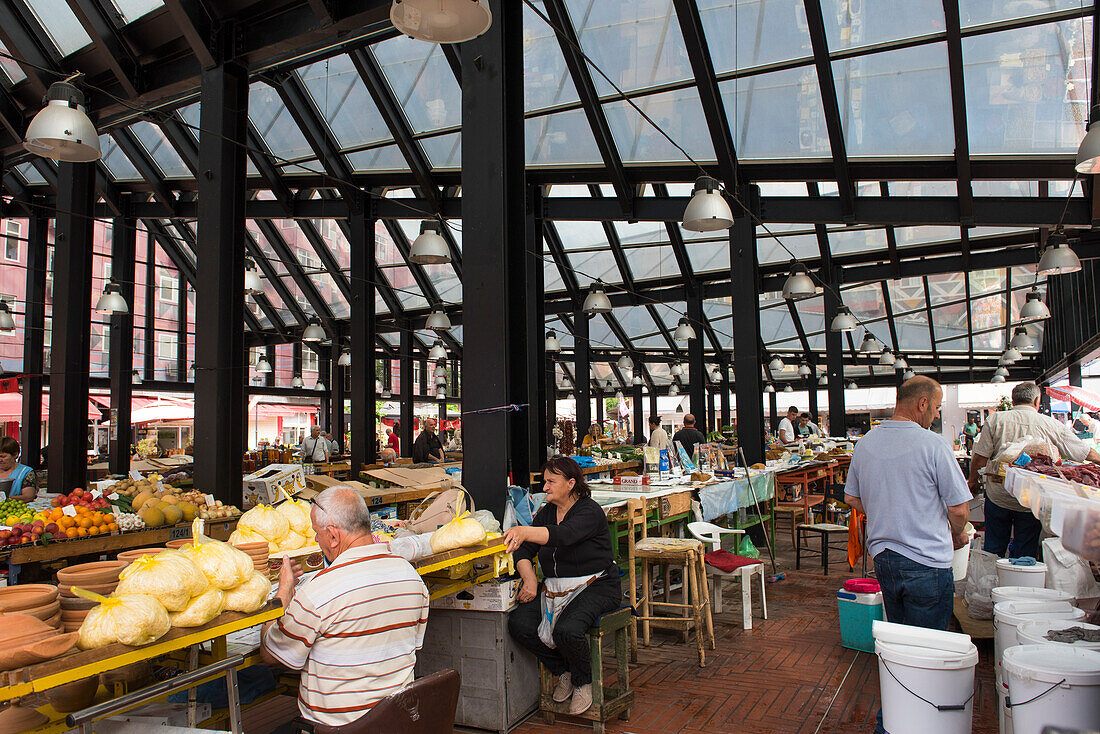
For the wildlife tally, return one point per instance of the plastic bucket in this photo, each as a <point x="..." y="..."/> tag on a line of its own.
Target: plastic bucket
<point x="961" y="560"/>
<point x="1035" y="633"/>
<point x="1032" y="576"/>
<point x="925" y="690"/>
<point x="1008" y="615"/>
<point x="1004" y="713"/>
<point x="1029" y="593"/>
<point x="1049" y="686"/>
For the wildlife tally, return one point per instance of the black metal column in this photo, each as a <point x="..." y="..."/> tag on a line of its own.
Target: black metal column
<point x="364" y="400"/>
<point x="535" y="362"/>
<point x="121" y="358"/>
<point x="834" y="364"/>
<point x="71" y="337"/>
<point x="811" y="392"/>
<point x="272" y="359"/>
<point x="711" y="411"/>
<point x="337" y="388"/>
<point x="600" y="398"/>
<point x="148" y="363"/>
<point x="745" y="275"/>
<point x="405" y="392"/>
<point x="296" y="359"/>
<point x="181" y="334"/>
<point x="652" y="401"/>
<point x="582" y="373"/>
<point x="773" y="411"/>
<point x="1075" y="374"/>
<point x="34" y="333"/>
<point x="725" y="388"/>
<point x="324" y="376"/>
<point x="221" y="371"/>
<point x="697" y="399"/>
<point x="638" y="411"/>
<point x="550" y="381"/>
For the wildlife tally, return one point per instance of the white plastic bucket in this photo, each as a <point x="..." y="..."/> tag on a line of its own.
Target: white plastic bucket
<point x="1052" y="686"/>
<point x="1008" y="615"/>
<point x="1029" y="593"/>
<point x="1035" y="632"/>
<point x="961" y="560"/>
<point x="1004" y="713"/>
<point x="907" y="674"/>
<point x="1009" y="575"/>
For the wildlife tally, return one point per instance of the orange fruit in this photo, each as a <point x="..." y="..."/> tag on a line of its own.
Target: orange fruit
<point x="108" y="518"/>
<point x="93" y="530"/>
<point x="81" y="532"/>
<point x="85" y="522"/>
<point x="97" y="518"/>
<point x="113" y="527"/>
<point x="71" y="533"/>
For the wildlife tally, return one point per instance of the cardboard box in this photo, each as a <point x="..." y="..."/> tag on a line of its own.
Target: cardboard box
<point x="263" y="486"/>
<point x="498" y="595"/>
<point x="384" y="513"/>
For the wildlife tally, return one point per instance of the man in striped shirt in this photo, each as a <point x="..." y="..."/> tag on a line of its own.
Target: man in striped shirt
<point x="353" y="629"/>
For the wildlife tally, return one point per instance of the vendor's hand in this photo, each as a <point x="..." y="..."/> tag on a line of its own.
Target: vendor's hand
<point x="515" y="537"/>
<point x="289" y="573"/>
<point x="527" y="591"/>
<point x="960" y="539"/>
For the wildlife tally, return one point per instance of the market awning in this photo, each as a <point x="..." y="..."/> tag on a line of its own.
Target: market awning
<point x="163" y="412"/>
<point x="1085" y="398"/>
<point x="11" y="407"/>
<point x="282" y="409"/>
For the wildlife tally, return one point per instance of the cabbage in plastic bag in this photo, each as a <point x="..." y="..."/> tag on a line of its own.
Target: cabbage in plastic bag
<point x="249" y="596"/>
<point x="297" y="514"/>
<point x="200" y="610"/>
<point x="458" y="533"/>
<point x="292" y="541"/>
<point x="132" y="619"/>
<point x="171" y="577"/>
<point x="243" y="536"/>
<point x="265" y="520"/>
<point x="223" y="565"/>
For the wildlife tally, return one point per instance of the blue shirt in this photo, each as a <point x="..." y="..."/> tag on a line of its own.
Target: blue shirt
<point x="906" y="477"/>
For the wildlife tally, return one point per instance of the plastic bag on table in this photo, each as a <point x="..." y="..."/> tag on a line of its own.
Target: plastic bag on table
<point x="223" y="565"/>
<point x="200" y="610"/>
<point x="171" y="577"/>
<point x="266" y="521"/>
<point x="249" y="596"/>
<point x="488" y="521"/>
<point x="747" y="549"/>
<point x="460" y="532"/>
<point x="132" y="619"/>
<point x="439" y="508"/>
<point x="296" y="512"/>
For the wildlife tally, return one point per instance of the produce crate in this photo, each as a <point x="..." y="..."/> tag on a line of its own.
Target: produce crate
<point x="675" y="504"/>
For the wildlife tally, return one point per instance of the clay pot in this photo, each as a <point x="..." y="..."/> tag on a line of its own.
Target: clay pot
<point x="74" y="696"/>
<point x="29" y="653"/>
<point x="91" y="574"/>
<point x="19" y="628"/>
<point x="17" y="719"/>
<point x="253" y="548"/>
<point x="101" y="589"/>
<point x="132" y="555"/>
<point x="26" y="596"/>
<point x="72" y="604"/>
<point x="55" y="621"/>
<point x="77" y="615"/>
<point x="178" y="543"/>
<point x="45" y="611"/>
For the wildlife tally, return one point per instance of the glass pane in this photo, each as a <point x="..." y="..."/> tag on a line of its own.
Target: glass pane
<point x="590" y="266"/>
<point x="30" y="174"/>
<point x="988" y="313"/>
<point x="117" y="163"/>
<point x="61" y="25"/>
<point x="924" y="188"/>
<point x="980" y="12"/>
<point x="745" y="33"/>
<point x="546" y="80"/>
<point x="907" y="236"/>
<point x="443" y="151"/>
<point x="777" y="115"/>
<point x="983" y="282"/>
<point x="160" y="150"/>
<point x="386" y="158"/>
<point x="654" y="261"/>
<point x="446" y="282"/>
<point x="772" y="250"/>
<point x="679" y="114"/>
<point x="708" y="257"/>
<point x="404" y="285"/>
<point x="776" y="325"/>
<point x="273" y="122"/>
<point x="1026" y="90"/>
<point x="639" y="326"/>
<point x="600" y="335"/>
<point x="856" y="23"/>
<point x="562" y="138"/>
<point x="1005" y="188"/>
<point x="11" y="69"/>
<point x="131" y="10"/>
<point x="844" y="241"/>
<point x="577" y="235"/>
<point x="331" y="294"/>
<point x="423" y="82"/>
<point x="896" y="102"/>
<point x="865" y="302"/>
<point x="551" y="277"/>
<point x="344" y="102"/>
<point x="637" y="44"/>
<point x="950" y="321"/>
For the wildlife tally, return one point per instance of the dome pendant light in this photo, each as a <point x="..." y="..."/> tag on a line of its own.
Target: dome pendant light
<point x="997" y="379"/>
<point x="438" y="321"/>
<point x="870" y="345"/>
<point x="438" y="351"/>
<point x="429" y="247"/>
<point x="313" y="331"/>
<point x="596" y="301"/>
<point x="768" y="387"/>
<point x="676" y="369"/>
<point x="441" y="21"/>
<point x="887" y="359"/>
<point x="798" y="284"/>
<point x="637" y="381"/>
<point x="61" y="130"/>
<point x="625" y="363"/>
<point x="1020" y="339"/>
<point x="804" y="370"/>
<point x="135" y="378"/>
<point x="1010" y="356"/>
<point x="345" y="358"/>
<point x="441" y="393"/>
<point x="1002" y="371"/>
<point x="823" y="380"/>
<point x="1034" y="309"/>
<point x="852" y="385"/>
<point x="1088" y="152"/>
<point x="552" y="343"/>
<point x="297" y="381"/>
<point x="788" y="388"/>
<point x="673" y="391"/>
<point x="440" y="380"/>
<point x="707" y="211"/>
<point x="684" y="332"/>
<point x="191" y="372"/>
<point x="263" y="367"/>
<point x="776" y="365"/>
<point x="253" y="286"/>
<point x="112" y="302"/>
<point x="1058" y="258"/>
<point x="901" y="364"/>
<point x="320" y="386"/>
<point x="908" y="375"/>
<point x="7" y="323"/>
<point x="843" y="321"/>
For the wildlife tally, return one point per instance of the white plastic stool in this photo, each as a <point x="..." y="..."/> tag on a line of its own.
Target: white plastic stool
<point x="711" y="535"/>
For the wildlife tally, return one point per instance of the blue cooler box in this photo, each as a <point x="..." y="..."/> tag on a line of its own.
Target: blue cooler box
<point x="857" y="613"/>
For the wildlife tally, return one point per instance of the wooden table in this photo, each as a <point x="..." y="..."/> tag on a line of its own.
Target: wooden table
<point x="501" y="562"/>
<point x="591" y="471"/>
<point x="343" y="468"/>
<point x="803" y="476"/>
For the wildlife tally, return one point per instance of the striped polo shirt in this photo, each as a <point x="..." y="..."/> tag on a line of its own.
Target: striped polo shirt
<point x="353" y="630"/>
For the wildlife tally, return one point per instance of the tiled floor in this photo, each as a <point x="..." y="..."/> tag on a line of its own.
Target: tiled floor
<point x="787" y="674"/>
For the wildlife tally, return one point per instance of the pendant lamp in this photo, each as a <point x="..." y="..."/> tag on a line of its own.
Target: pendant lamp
<point x="776" y="365"/>
<point x="908" y="375"/>
<point x="707" y="211"/>
<point x="843" y="321"/>
<point x="1058" y="258"/>
<point x="1021" y="340"/>
<point x="1088" y="152"/>
<point x="263" y="367"/>
<point x="61" y="130"/>
<point x="320" y="386"/>
<point x="438" y="321"/>
<point x="441" y="21"/>
<point x="596" y="301"/>
<point x="313" y="331"/>
<point x="870" y="344"/>
<point x="253" y="286"/>
<point x="1034" y="309"/>
<point x="345" y="358"/>
<point x="768" y="387"/>
<point x="676" y="369"/>
<point x="552" y="343"/>
<point x="7" y="323"/>
<point x="788" y="388"/>
<point x="887" y="358"/>
<point x="798" y="283"/>
<point x="111" y="301"/>
<point x="997" y="378"/>
<point x="297" y="381"/>
<point x="684" y="332"/>
<point x="804" y="370"/>
<point x="429" y="247"/>
<point x="625" y="362"/>
<point x="438" y="351"/>
<point x="901" y="364"/>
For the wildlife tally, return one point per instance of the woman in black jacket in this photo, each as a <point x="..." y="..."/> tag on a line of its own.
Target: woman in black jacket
<point x="570" y="536"/>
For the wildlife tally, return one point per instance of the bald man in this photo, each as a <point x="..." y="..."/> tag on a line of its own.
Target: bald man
<point x="689" y="436"/>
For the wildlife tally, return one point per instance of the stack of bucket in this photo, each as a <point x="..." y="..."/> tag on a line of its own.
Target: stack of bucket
<point x="926" y="679"/>
<point x="860" y="604"/>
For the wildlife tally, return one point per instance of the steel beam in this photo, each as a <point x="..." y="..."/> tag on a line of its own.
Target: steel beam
<point x="108" y="41"/>
<point x="582" y="372"/>
<point x="121" y="358"/>
<point x="34" y="328"/>
<point x="405" y="433"/>
<point x="364" y="273"/>
<point x="746" y="338"/>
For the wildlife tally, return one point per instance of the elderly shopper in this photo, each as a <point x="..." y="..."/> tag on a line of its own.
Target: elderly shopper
<point x="570" y="537"/>
<point x="689" y="436"/>
<point x="1006" y="519"/>
<point x="24" y="484"/>
<point x="428" y="449"/>
<point x="315" y="448"/>
<point x="353" y="630"/>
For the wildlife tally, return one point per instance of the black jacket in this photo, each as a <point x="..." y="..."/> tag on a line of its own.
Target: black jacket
<point x="578" y="546"/>
<point x="689" y="437"/>
<point x="425" y="444"/>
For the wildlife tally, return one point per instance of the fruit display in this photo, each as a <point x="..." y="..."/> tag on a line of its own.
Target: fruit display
<point x="133" y="487"/>
<point x="81" y="498"/>
<point x="13" y="511"/>
<point x="130" y="521"/>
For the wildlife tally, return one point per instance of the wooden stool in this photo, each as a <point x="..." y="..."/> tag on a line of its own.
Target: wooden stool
<point x="825" y="530"/>
<point x="793" y="514"/>
<point x="607" y="703"/>
<point x="687" y="553"/>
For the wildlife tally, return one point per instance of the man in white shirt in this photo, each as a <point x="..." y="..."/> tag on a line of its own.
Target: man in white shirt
<point x="1006" y="518"/>
<point x="788" y="436"/>
<point x="315" y="448"/>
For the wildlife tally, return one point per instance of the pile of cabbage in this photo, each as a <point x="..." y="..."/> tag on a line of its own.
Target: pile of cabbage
<point x="285" y="527"/>
<point x="175" y="588"/>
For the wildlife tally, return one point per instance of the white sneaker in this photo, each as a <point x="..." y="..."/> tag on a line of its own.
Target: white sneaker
<point x="564" y="689"/>
<point x="582" y="699"/>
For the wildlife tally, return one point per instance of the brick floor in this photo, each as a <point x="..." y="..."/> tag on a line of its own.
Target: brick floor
<point x="787" y="674"/>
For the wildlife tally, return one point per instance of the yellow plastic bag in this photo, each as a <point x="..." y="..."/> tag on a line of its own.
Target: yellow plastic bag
<point x="171" y="577"/>
<point x="265" y="520"/>
<point x="458" y="533"/>
<point x="223" y="565"/>
<point x="200" y="610"/>
<point x="249" y="596"/>
<point x="132" y="619"/>
<point x="243" y="537"/>
<point x="296" y="512"/>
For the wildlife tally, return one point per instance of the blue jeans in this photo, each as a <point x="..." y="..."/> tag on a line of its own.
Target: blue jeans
<point x="1002" y="524"/>
<point x="914" y="594"/>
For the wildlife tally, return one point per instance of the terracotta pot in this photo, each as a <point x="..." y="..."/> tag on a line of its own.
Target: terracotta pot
<point x="17" y="719"/>
<point x="45" y="611"/>
<point x="55" y="621"/>
<point x="132" y="555"/>
<point x="101" y="589"/>
<point x="72" y="604"/>
<point x="29" y="653"/>
<point x="178" y="543"/>
<point x="253" y="548"/>
<point x="74" y="696"/>
<point x="26" y="596"/>
<point x="77" y="615"/>
<point x="85" y="574"/>
<point x="19" y="628"/>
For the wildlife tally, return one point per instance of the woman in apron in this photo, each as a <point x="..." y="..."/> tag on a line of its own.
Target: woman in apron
<point x="24" y="487"/>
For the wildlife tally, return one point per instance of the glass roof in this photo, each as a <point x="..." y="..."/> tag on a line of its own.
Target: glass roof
<point x="131" y="10"/>
<point x="60" y="24"/>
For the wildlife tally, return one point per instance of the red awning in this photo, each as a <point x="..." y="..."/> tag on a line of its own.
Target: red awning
<point x="1085" y="398"/>
<point x="11" y="407"/>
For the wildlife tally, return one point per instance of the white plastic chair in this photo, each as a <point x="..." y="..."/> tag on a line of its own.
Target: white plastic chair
<point x="711" y="536"/>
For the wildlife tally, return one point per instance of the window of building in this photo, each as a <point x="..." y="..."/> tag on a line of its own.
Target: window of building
<point x="167" y="344"/>
<point x="169" y="287"/>
<point x="12" y="233"/>
<point x="308" y="259"/>
<point x="309" y="360"/>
